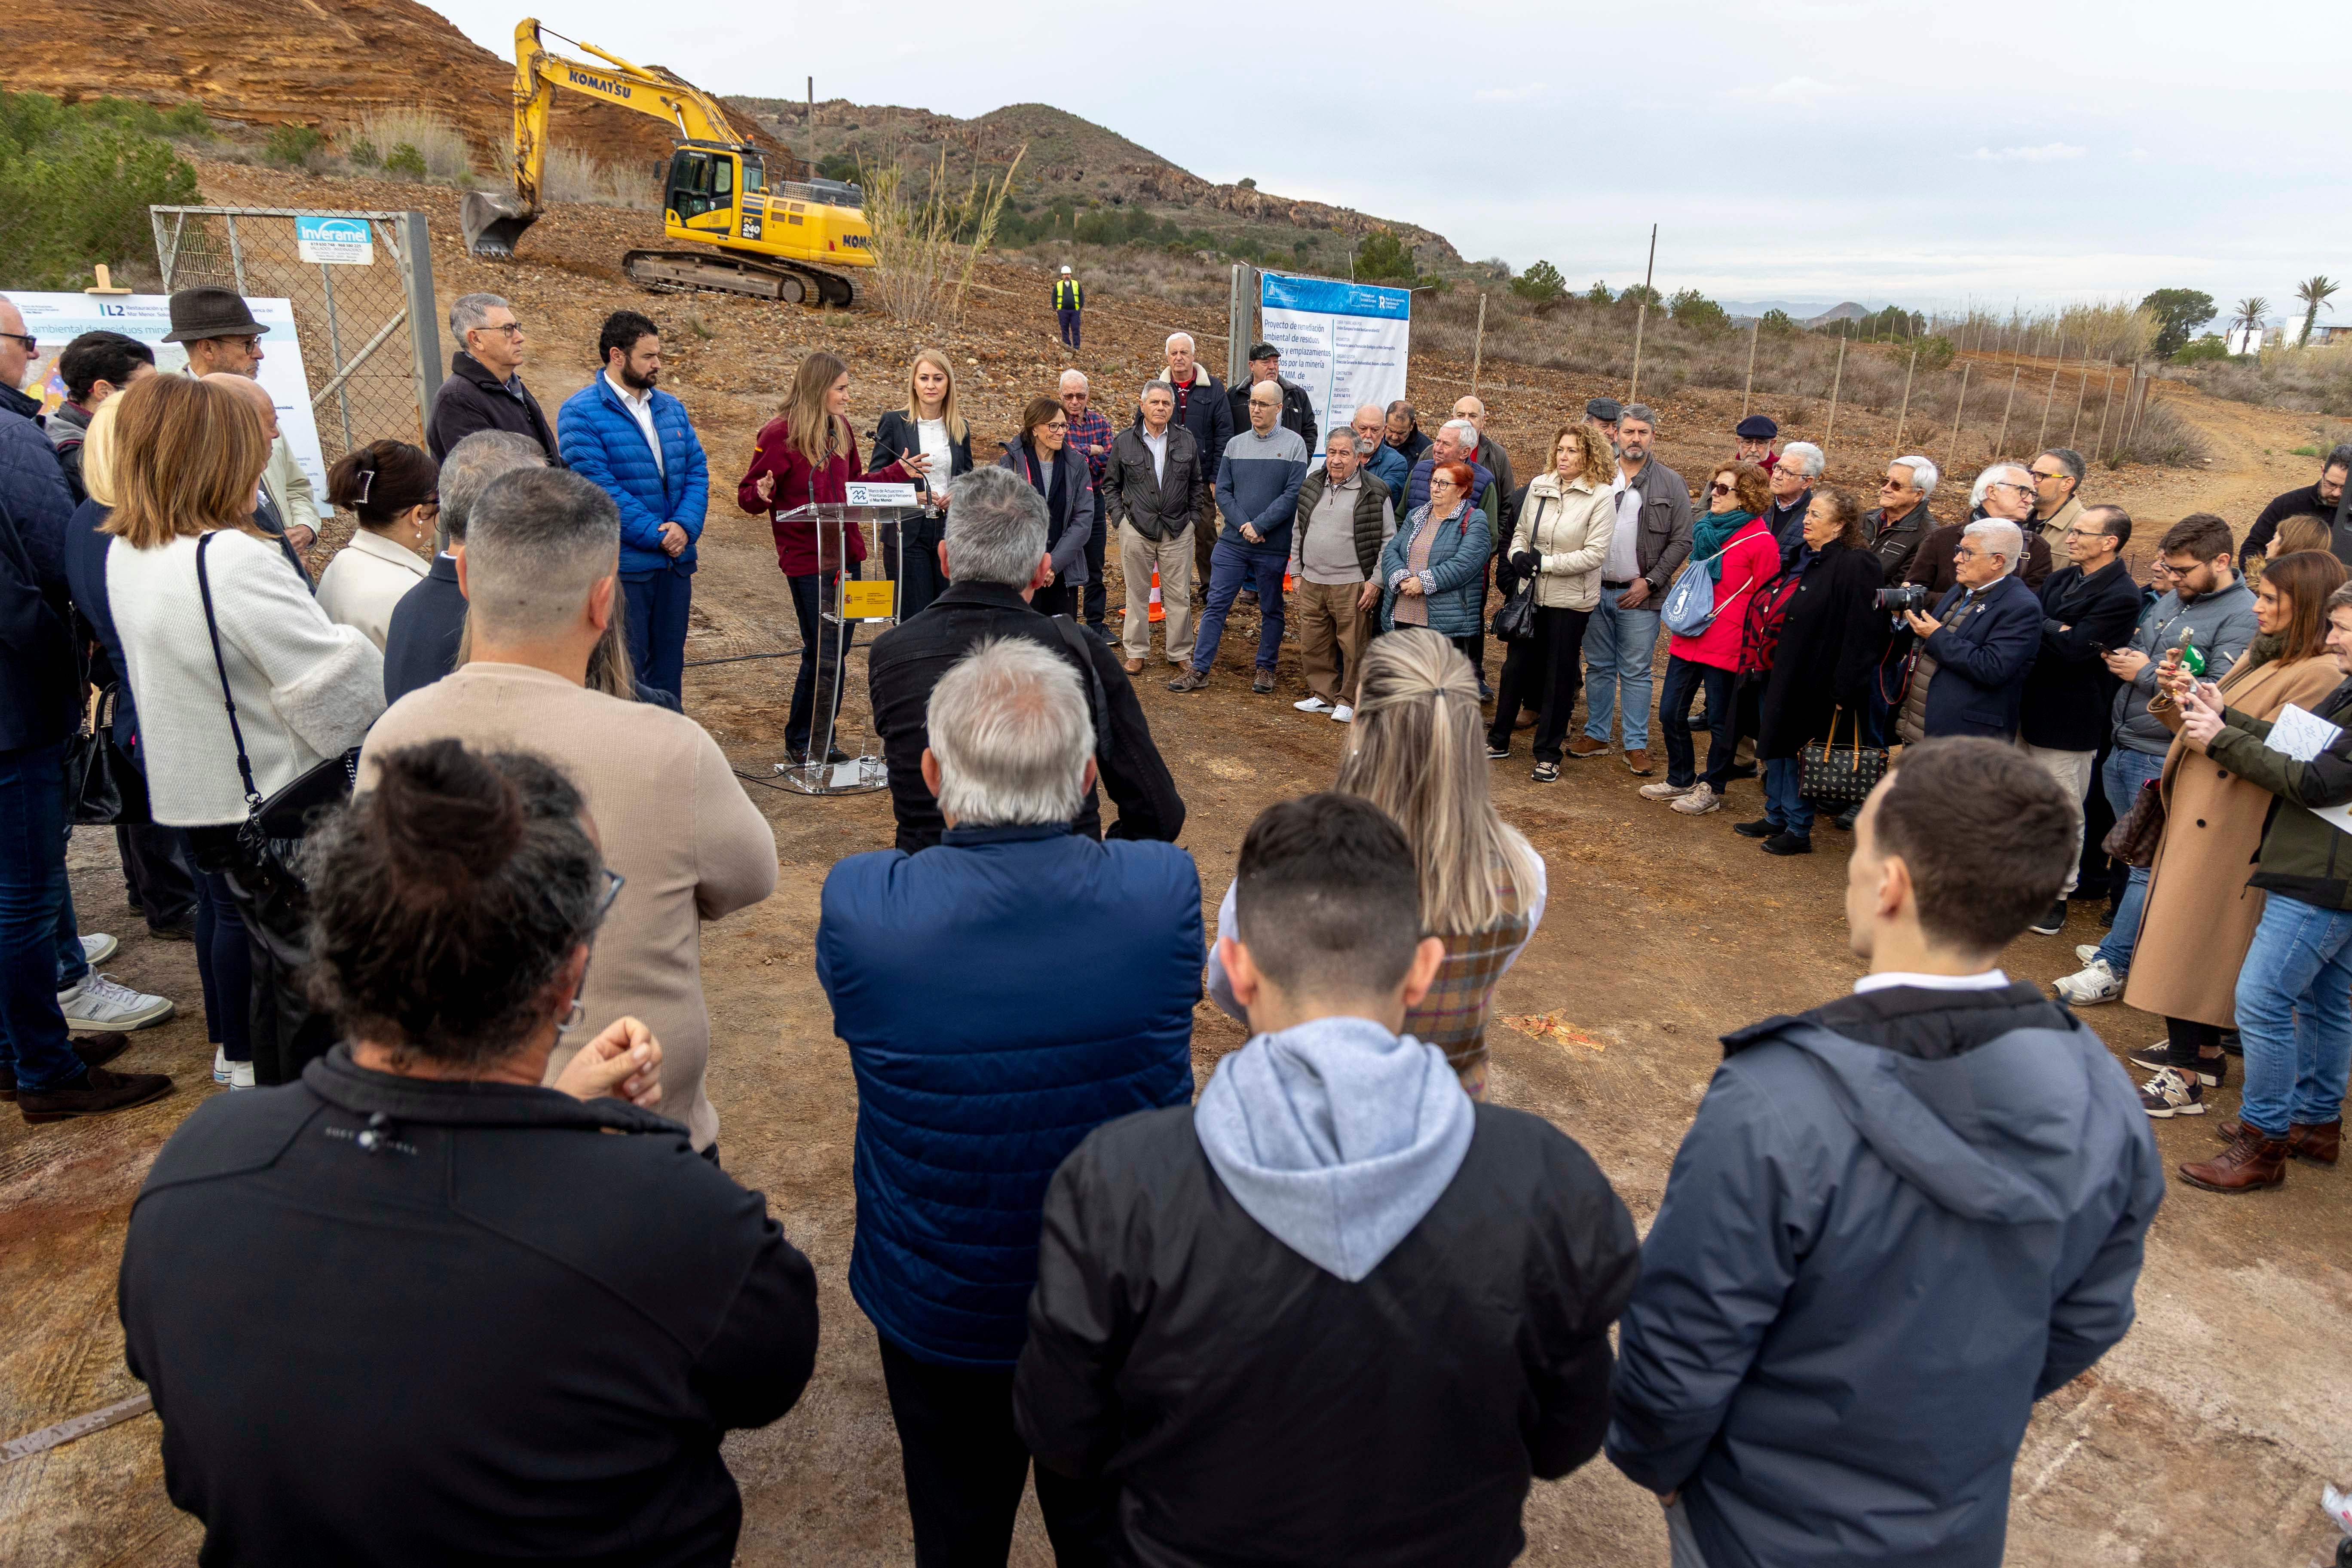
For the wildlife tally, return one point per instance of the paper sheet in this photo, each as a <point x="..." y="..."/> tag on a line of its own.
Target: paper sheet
<point x="2303" y="735"/>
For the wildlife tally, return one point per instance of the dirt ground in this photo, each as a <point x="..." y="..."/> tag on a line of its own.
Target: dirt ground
<point x="2200" y="1442"/>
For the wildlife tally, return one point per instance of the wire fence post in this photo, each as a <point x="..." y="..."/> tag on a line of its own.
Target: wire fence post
<point x="1754" y="329"/>
<point x="424" y="315"/>
<point x="1836" y="383"/>
<point x="2082" y="387"/>
<point x="2001" y="440"/>
<point x="1959" y="415"/>
<point x="1901" y="418"/>
<point x="2106" y="407"/>
<point x="2042" y="433"/>
<point x="1478" y="352"/>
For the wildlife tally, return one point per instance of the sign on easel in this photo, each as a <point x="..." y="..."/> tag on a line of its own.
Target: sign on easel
<point x="1346" y="343"/>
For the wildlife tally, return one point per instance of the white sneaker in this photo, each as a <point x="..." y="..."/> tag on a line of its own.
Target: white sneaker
<point x="220" y="1064"/>
<point x="2093" y="985"/>
<point x="240" y="1076"/>
<point x="103" y="1002"/>
<point x="1662" y="790"/>
<point x="98" y="949"/>
<point x="1343" y="714"/>
<point x="1312" y="705"/>
<point x="2085" y="950"/>
<point x="1701" y="800"/>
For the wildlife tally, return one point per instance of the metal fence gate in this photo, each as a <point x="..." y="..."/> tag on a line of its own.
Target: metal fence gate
<point x="370" y="333"/>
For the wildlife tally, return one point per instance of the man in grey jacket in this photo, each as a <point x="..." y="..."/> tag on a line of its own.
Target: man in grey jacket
<point x="2212" y="607"/>
<point x="1652" y="540"/>
<point x="1152" y="488"/>
<point x="1898" y="1220"/>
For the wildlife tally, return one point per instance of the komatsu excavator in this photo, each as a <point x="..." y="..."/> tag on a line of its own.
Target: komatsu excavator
<point x="798" y="242"/>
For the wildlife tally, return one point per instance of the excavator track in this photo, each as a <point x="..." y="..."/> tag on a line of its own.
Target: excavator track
<point x="687" y="271"/>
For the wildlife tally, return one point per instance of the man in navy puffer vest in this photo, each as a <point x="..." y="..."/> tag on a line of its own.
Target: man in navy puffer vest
<point x="981" y="1065"/>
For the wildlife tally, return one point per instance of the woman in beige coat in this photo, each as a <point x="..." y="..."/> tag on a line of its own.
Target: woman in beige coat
<point x="1566" y="518"/>
<point x="2201" y="916"/>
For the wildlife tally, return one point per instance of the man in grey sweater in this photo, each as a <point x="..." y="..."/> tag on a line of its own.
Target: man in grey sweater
<point x="1257" y="495"/>
<point x="1345" y="515"/>
<point x="2211" y="606"/>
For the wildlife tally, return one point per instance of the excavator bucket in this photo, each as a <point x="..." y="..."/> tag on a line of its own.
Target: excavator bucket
<point x="494" y="223"/>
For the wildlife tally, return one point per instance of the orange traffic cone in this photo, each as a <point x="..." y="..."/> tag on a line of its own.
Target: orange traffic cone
<point x="1159" y="611"/>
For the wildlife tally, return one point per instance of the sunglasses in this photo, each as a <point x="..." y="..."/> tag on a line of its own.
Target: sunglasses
<point x="32" y="346"/>
<point x="1718" y="488"/>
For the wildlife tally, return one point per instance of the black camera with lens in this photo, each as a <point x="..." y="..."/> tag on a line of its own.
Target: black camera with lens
<point x="1903" y="600"/>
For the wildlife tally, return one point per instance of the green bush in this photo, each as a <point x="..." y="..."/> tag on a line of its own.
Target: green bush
<point x="293" y="146"/>
<point x="1692" y="308"/>
<point x="1937" y="353"/>
<point x="76" y="181"/>
<point x="363" y="153"/>
<point x="2197" y="351"/>
<point x="1541" y="283"/>
<point x="404" y="161"/>
<point x="1639" y="294"/>
<point x="1599" y="293"/>
<point x="1777" y="323"/>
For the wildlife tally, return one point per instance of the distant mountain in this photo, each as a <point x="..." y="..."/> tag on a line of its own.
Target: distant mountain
<point x="1804" y="312"/>
<point x="1068" y="156"/>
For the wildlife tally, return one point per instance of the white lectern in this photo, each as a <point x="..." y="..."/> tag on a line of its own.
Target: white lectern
<point x="875" y="512"/>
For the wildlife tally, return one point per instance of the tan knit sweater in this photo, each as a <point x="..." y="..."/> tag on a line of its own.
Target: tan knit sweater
<point x="673" y="818"/>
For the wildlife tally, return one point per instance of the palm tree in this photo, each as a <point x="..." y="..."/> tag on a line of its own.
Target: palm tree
<point x="2313" y="293"/>
<point x="2251" y="312"/>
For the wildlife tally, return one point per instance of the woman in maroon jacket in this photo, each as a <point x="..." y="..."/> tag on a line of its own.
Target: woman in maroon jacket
<point x="808" y="454"/>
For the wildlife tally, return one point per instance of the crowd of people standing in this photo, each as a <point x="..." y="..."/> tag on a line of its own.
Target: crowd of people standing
<point x="1161" y="1304"/>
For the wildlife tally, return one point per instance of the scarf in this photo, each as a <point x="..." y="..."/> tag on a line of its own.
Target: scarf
<point x="1710" y="533"/>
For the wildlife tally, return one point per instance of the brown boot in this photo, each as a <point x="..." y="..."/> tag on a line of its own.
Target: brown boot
<point x="2252" y="1162"/>
<point x="2321" y="1142"/>
<point x="1586" y="746"/>
<point x="1640" y="762"/>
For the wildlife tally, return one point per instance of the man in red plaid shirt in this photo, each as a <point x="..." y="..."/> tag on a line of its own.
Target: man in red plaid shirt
<point x="1090" y="436"/>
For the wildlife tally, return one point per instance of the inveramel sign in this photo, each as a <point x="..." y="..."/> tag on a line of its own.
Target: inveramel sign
<point x="335" y="241"/>
<point x="1346" y="344"/>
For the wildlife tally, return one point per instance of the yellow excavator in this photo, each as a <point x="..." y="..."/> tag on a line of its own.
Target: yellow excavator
<point x="794" y="241"/>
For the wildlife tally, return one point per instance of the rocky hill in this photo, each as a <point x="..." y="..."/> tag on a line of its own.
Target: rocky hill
<point x="1066" y="156"/>
<point x="268" y="62"/>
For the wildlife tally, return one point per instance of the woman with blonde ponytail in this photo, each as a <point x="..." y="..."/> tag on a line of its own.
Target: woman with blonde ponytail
<point x="1418" y="751"/>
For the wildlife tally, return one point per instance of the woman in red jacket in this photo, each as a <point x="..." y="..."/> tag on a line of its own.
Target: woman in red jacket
<point x="808" y="454"/>
<point x="1734" y="547"/>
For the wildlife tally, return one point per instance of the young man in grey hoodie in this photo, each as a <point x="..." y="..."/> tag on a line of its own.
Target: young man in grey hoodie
<point x="1336" y="1313"/>
<point x="1898" y="1220"/>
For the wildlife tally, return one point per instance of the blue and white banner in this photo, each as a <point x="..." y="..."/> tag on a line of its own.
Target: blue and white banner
<point x="1346" y="344"/>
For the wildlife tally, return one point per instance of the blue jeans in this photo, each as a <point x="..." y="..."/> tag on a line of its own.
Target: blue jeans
<point x="1232" y="568"/>
<point x="1785" y="807"/>
<point x="33" y="899"/>
<point x="2294" y="1015"/>
<point x="656" y="626"/>
<point x="1685" y="678"/>
<point x="73" y="967"/>
<point x="224" y="967"/>
<point x="1619" y="645"/>
<point x="2121" y="778"/>
<point x="1068" y="320"/>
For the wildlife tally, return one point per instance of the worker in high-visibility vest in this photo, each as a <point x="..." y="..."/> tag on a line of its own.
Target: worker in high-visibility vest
<point x="1069" y="298"/>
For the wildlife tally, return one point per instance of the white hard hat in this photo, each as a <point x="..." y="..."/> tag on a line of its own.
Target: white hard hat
<point x="1065" y="273"/>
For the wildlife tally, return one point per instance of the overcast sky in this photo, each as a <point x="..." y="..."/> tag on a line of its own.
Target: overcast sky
<point x="1815" y="150"/>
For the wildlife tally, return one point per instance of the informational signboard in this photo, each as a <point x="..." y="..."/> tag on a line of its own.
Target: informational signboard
<point x="56" y="320"/>
<point x="1345" y="342"/>
<point x="335" y="241"/>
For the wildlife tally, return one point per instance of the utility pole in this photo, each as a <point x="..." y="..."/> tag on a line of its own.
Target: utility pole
<point x="811" y="127"/>
<point x="1754" y="329"/>
<point x="1643" y="315"/>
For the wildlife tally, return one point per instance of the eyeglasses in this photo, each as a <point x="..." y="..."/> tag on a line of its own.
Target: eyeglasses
<point x="2039" y="474"/>
<point x="613" y="883"/>
<point x="1893" y="485"/>
<point x="1056" y="425"/>
<point x="2011" y="485"/>
<point x="32" y="346"/>
<point x="511" y="330"/>
<point x="1721" y="488"/>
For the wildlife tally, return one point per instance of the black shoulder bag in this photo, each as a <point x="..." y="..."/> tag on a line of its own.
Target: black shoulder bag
<point x="270" y="840"/>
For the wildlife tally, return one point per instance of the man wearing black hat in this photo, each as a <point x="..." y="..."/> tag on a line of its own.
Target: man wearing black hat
<point x="1603" y="414"/>
<point x="1756" y="433"/>
<point x="1297" y="408"/>
<point x="217" y="329"/>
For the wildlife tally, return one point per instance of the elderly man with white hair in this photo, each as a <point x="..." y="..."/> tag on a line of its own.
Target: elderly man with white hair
<point x="1203" y="408"/>
<point x="1791" y="482"/>
<point x="980" y="1068"/>
<point x="2005" y="489"/>
<point x="1985" y="633"/>
<point x="1388" y="465"/>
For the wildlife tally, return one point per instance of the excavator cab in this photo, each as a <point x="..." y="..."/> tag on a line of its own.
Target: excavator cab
<point x="705" y="192"/>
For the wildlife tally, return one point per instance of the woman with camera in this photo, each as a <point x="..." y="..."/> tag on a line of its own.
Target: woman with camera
<point x="1818" y="689"/>
<point x="2200" y="916"/>
<point x="244" y="685"/>
<point x="416" y="1308"/>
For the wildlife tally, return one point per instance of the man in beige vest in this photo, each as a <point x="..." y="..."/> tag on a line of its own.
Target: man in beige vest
<point x="540" y="575"/>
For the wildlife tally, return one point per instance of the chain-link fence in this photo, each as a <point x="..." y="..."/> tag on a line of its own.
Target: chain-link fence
<point x="360" y="284"/>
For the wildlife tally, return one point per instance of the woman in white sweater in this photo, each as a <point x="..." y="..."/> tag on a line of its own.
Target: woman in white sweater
<point x="187" y="458"/>
<point x="1567" y="517"/>
<point x="391" y="487"/>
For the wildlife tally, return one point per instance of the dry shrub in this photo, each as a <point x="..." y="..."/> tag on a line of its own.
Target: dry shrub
<point x="2313" y="380"/>
<point x="569" y="174"/>
<point x="436" y="139"/>
<point x="926" y="246"/>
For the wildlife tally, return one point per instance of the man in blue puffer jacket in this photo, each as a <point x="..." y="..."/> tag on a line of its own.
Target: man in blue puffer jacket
<point x="979" y="1070"/>
<point x="634" y="442"/>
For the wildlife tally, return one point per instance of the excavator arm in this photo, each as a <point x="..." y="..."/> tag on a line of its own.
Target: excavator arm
<point x="493" y="224"/>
